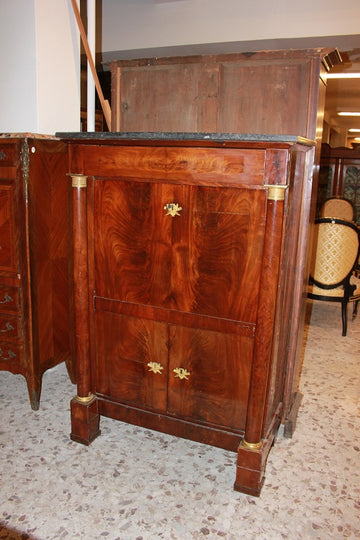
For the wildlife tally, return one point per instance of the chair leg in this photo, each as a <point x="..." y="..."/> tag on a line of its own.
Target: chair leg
<point x="355" y="310"/>
<point x="344" y="317"/>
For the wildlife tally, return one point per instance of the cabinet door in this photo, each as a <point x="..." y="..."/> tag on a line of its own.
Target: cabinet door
<point x="190" y="373"/>
<point x="209" y="376"/>
<point x="131" y="360"/>
<point x="187" y="248"/>
<point x="7" y="236"/>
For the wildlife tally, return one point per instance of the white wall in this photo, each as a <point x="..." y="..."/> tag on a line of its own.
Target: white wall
<point x="17" y="65"/>
<point x="137" y="24"/>
<point x="58" y="66"/>
<point x="39" y="67"/>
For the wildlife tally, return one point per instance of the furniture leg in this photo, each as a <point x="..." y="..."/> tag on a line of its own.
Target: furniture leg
<point x="84" y="408"/>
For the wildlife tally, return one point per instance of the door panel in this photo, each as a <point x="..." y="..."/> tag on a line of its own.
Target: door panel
<point x="124" y="347"/>
<point x="205" y="258"/>
<point x="132" y="242"/>
<point x="217" y="253"/>
<point x="209" y="376"/>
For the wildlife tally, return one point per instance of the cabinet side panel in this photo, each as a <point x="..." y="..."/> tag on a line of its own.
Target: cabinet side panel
<point x="49" y="250"/>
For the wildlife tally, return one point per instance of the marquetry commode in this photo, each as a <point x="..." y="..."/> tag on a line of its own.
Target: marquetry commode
<point x="186" y="275"/>
<point x="35" y="251"/>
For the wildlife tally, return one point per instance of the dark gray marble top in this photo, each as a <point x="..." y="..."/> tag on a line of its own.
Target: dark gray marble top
<point x="171" y="136"/>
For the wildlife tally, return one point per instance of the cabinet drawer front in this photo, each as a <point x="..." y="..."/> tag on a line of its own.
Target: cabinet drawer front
<point x="10" y="327"/>
<point x="10" y="353"/>
<point x="7" y="229"/>
<point x="131" y="360"/>
<point x="9" y="299"/>
<point x="204" y="259"/>
<point x="190" y="165"/>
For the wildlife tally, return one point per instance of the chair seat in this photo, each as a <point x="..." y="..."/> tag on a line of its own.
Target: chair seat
<point x="337" y="292"/>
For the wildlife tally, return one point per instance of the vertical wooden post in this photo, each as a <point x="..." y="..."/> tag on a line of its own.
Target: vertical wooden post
<point x="249" y="478"/>
<point x="84" y="408"/>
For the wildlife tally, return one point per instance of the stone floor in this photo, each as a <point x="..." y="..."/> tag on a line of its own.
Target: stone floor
<point x="133" y="483"/>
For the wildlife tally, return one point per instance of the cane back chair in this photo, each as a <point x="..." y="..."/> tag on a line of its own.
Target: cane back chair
<point x="334" y="259"/>
<point x="338" y="207"/>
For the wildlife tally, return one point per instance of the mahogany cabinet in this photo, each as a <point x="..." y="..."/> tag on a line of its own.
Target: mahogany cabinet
<point x="340" y="175"/>
<point x="185" y="277"/>
<point x="34" y="259"/>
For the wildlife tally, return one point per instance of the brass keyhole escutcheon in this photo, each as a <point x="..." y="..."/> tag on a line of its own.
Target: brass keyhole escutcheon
<point x="7" y="299"/>
<point x="172" y="209"/>
<point x="155" y="367"/>
<point x="181" y="373"/>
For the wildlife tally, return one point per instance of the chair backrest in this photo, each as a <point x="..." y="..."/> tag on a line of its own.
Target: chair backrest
<point x="335" y="252"/>
<point x="338" y="207"/>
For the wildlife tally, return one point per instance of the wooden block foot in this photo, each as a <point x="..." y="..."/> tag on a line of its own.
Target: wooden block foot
<point x="85" y="420"/>
<point x="251" y="463"/>
<point x="250" y="469"/>
<point x="290" y="421"/>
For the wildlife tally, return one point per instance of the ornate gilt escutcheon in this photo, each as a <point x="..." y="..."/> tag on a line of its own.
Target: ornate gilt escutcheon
<point x="181" y="373"/>
<point x="10" y="355"/>
<point x="155" y="367"/>
<point x="172" y="209"/>
<point x="6" y="299"/>
<point x="7" y="328"/>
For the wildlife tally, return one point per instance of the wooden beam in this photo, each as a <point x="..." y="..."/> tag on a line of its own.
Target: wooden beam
<point x="104" y="103"/>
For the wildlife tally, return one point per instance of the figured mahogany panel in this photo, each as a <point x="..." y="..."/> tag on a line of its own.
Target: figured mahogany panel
<point x="193" y="165"/>
<point x="213" y="385"/>
<point x="205" y="260"/>
<point x="124" y="348"/>
<point x="7" y="236"/>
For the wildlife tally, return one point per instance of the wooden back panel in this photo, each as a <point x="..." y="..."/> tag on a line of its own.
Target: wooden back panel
<point x="277" y="92"/>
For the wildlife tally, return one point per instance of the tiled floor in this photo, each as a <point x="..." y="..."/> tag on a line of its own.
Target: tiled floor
<point x="133" y="484"/>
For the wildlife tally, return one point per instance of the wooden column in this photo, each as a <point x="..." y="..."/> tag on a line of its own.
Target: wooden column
<point x="84" y="408"/>
<point x="254" y="446"/>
